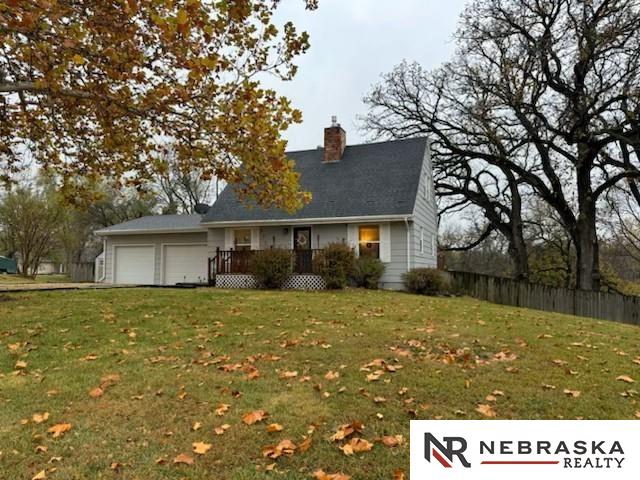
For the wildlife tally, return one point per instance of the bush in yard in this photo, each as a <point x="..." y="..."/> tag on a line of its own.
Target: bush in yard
<point x="367" y="272"/>
<point x="425" y="281"/>
<point x="335" y="264"/>
<point x="271" y="268"/>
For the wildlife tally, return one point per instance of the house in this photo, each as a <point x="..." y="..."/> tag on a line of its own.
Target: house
<point x="8" y="265"/>
<point x="376" y="197"/>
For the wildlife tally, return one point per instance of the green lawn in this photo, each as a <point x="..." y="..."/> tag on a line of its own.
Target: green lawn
<point x="6" y="279"/>
<point x="167" y="359"/>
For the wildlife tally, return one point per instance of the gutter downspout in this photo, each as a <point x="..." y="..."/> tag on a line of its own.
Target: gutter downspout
<point x="104" y="267"/>
<point x="406" y="223"/>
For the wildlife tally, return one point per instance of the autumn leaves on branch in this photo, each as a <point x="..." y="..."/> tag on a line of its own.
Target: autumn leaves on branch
<point x="92" y="92"/>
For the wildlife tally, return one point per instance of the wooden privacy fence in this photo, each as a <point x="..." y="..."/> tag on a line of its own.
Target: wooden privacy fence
<point x="81" y="272"/>
<point x="505" y="291"/>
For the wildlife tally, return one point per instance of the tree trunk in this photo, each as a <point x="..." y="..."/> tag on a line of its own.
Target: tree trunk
<point x="518" y="254"/>
<point x="586" y="238"/>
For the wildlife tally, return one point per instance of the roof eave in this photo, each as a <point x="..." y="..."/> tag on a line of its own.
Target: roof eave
<point x="304" y="221"/>
<point x="148" y="231"/>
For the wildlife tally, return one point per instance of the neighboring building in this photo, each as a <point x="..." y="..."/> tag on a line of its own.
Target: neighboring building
<point x="7" y="265"/>
<point x="376" y="197"/>
<point x="47" y="266"/>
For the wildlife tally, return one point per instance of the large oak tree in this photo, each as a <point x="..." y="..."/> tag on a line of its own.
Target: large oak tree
<point x="561" y="86"/>
<point x="90" y="88"/>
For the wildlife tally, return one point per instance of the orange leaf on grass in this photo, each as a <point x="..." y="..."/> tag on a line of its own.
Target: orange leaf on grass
<point x="183" y="458"/>
<point x="626" y="379"/>
<point x="274" y="427"/>
<point x="253" y="417"/>
<point x="59" y="429"/>
<point x="486" y="410"/>
<point x="321" y="475"/>
<point x="356" y="445"/>
<point x="201" y="448"/>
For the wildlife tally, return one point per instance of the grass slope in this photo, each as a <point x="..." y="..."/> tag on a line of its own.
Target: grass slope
<point x="168" y="346"/>
<point x="13" y="279"/>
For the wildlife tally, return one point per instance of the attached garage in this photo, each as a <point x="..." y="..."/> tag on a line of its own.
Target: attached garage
<point x="184" y="264"/>
<point x="156" y="250"/>
<point x="134" y="264"/>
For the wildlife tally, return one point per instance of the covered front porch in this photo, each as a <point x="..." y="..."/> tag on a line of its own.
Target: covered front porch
<point x="232" y="269"/>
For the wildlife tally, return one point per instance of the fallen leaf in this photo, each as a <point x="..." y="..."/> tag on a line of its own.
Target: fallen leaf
<point x="196" y="426"/>
<point x="59" y="429"/>
<point x="41" y="475"/>
<point x="183" y="458"/>
<point x="346" y="430"/>
<point x="285" y="447"/>
<point x="392" y="440"/>
<point x="252" y="417"/>
<point x="320" y="475"/>
<point x="356" y="445"/>
<point x="486" y="410"/>
<point x="221" y="429"/>
<point x="572" y="393"/>
<point x="331" y="375"/>
<point x="287" y="375"/>
<point x="221" y="409"/>
<point x="398" y="474"/>
<point x="626" y="379"/>
<point x="96" y="392"/>
<point x="304" y="445"/>
<point x="40" y="417"/>
<point x="20" y="364"/>
<point x="201" y="448"/>
<point x="274" y="427"/>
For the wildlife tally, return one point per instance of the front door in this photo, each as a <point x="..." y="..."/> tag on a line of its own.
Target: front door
<point x="302" y="249"/>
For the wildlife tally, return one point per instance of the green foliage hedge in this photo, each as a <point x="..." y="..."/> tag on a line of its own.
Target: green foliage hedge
<point x="425" y="281"/>
<point x="271" y="268"/>
<point x="367" y="272"/>
<point x="335" y="264"/>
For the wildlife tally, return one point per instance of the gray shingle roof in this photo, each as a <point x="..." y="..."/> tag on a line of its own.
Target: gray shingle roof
<point x="370" y="180"/>
<point x="160" y="223"/>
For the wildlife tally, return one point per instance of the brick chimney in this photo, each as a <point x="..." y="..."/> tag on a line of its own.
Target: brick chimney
<point x="335" y="139"/>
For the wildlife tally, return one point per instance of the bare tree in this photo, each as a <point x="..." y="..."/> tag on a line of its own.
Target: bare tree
<point x="470" y="149"/>
<point x="560" y="82"/>
<point x="179" y="189"/>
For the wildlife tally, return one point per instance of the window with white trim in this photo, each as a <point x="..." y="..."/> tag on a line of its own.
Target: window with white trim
<point x="369" y="240"/>
<point x="242" y="239"/>
<point x="421" y="240"/>
<point x="427" y="186"/>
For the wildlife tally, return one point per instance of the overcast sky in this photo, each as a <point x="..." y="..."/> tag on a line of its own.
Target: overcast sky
<point x="352" y="43"/>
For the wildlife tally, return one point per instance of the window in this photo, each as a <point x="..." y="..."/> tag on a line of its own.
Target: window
<point x="242" y="239"/>
<point x="369" y="241"/>
<point x="427" y="186"/>
<point x="421" y="240"/>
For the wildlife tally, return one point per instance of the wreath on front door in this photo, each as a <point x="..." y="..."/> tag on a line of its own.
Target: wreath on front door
<point x="301" y="241"/>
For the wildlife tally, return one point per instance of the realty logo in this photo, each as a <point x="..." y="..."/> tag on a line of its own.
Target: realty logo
<point x="524" y="449"/>
<point x="455" y="447"/>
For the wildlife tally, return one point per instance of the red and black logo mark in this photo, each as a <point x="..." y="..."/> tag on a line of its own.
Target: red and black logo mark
<point x="455" y="447"/>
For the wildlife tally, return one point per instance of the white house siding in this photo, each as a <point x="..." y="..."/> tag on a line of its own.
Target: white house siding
<point x="156" y="240"/>
<point x="392" y="278"/>
<point x="425" y="216"/>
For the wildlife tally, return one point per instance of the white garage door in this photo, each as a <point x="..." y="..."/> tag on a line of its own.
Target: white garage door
<point x="134" y="265"/>
<point x="185" y="263"/>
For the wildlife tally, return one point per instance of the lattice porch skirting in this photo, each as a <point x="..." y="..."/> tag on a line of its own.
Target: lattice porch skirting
<point x="294" y="282"/>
